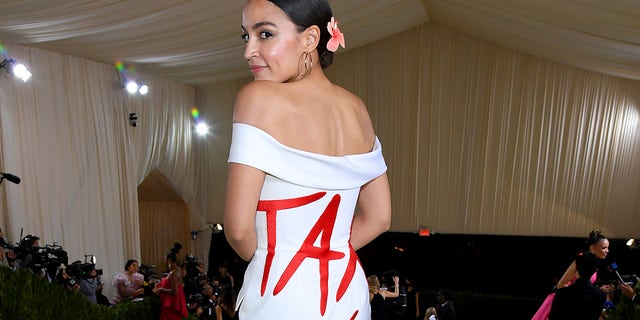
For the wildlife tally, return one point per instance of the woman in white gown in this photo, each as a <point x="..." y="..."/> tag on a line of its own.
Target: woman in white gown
<point x="307" y="183"/>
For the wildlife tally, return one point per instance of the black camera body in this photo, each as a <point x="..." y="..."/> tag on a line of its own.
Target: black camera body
<point x="82" y="270"/>
<point x="192" y="261"/>
<point x="192" y="271"/>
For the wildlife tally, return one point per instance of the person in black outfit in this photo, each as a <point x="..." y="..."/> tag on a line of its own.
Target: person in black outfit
<point x="581" y="300"/>
<point x="412" y="311"/>
<point x="377" y="296"/>
<point x="445" y="309"/>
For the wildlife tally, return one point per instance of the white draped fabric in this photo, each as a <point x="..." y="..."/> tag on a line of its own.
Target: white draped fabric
<point x="66" y="134"/>
<point x="481" y="139"/>
<point x="478" y="138"/>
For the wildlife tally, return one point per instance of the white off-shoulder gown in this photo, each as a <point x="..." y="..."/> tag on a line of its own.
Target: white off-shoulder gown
<point x="304" y="267"/>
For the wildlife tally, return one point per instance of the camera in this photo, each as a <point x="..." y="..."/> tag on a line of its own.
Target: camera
<point x="81" y="270"/>
<point x="192" y="270"/>
<point x="30" y="256"/>
<point x="192" y="261"/>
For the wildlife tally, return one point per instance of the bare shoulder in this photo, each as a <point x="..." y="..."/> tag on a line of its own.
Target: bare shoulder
<point x="358" y="107"/>
<point x="253" y="101"/>
<point x="349" y="96"/>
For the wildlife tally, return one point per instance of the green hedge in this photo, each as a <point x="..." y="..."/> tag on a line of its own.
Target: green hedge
<point x="24" y="296"/>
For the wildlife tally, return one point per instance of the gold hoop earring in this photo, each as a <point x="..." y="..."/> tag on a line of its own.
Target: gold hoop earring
<point x="308" y="65"/>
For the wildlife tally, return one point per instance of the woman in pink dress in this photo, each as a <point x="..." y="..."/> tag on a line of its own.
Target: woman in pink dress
<point x="128" y="283"/>
<point x="598" y="245"/>
<point x="170" y="289"/>
<point x="303" y="156"/>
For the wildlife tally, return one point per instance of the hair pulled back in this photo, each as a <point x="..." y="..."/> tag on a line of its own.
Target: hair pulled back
<point x="595" y="236"/>
<point x="306" y="13"/>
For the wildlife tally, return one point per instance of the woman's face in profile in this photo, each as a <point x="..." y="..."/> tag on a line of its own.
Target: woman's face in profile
<point x="601" y="249"/>
<point x="133" y="268"/>
<point x="273" y="47"/>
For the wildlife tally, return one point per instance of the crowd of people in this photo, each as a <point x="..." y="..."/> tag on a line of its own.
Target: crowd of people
<point x="185" y="288"/>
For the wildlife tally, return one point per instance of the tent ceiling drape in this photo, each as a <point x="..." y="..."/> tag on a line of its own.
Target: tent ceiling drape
<point x="197" y="42"/>
<point x="193" y="42"/>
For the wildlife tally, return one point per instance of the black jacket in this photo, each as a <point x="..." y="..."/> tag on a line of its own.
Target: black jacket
<point x="446" y="311"/>
<point x="581" y="300"/>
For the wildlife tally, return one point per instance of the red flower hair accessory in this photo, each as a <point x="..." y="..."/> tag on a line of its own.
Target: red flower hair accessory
<point x="337" y="38"/>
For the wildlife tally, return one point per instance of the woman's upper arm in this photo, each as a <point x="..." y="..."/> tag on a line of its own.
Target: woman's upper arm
<point x="244" y="185"/>
<point x="568" y="275"/>
<point x="373" y="215"/>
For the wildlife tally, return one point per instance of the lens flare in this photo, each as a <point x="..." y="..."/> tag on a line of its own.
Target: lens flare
<point x="195" y="113"/>
<point x="3" y="51"/>
<point x="119" y="66"/>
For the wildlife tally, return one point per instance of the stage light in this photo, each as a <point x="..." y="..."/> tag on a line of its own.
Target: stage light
<point x="21" y="72"/>
<point x="133" y="87"/>
<point x="18" y="69"/>
<point x="215" y="228"/>
<point x="143" y="89"/>
<point x="9" y="177"/>
<point x="128" y="78"/>
<point x="202" y="128"/>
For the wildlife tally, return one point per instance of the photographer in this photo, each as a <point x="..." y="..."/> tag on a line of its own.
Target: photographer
<point x="193" y="305"/>
<point x="194" y="268"/>
<point x="209" y="302"/>
<point x="90" y="282"/>
<point x="66" y="281"/>
<point x="28" y="255"/>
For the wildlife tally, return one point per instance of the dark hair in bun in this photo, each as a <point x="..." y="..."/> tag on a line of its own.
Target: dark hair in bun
<point x="173" y="252"/>
<point x="595" y="236"/>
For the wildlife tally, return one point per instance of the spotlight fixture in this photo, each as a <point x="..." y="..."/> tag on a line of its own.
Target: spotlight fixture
<point x="215" y="228"/>
<point x="133" y="87"/>
<point x="18" y="69"/>
<point x="9" y="177"/>
<point x="127" y="77"/>
<point x="133" y="119"/>
<point x="633" y="244"/>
